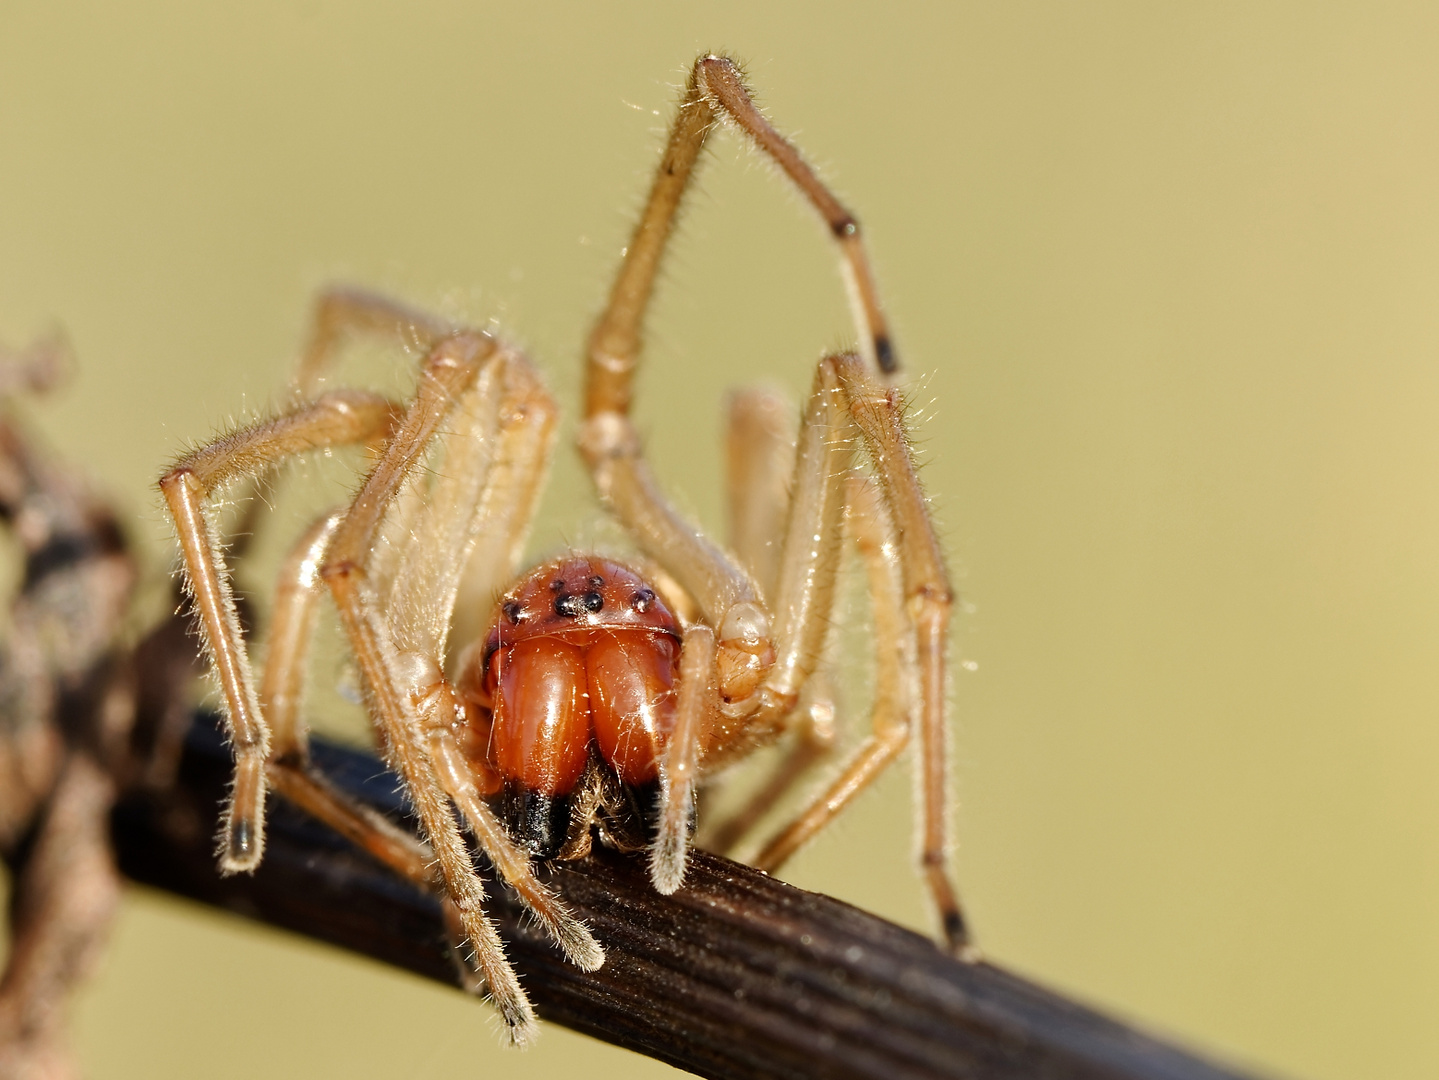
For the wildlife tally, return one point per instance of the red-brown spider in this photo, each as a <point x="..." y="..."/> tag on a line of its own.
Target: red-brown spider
<point x="598" y="697"/>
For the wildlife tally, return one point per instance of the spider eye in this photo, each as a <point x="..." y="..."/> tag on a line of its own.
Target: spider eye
<point x="596" y="582"/>
<point x="594" y="602"/>
<point x="568" y="605"/>
<point x="513" y="612"/>
<point x="558" y="585"/>
<point x="643" y="600"/>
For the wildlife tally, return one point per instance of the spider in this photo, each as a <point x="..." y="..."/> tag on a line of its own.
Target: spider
<point x="601" y="693"/>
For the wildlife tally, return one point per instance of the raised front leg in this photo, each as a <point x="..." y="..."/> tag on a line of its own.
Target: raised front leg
<point x="716" y="92"/>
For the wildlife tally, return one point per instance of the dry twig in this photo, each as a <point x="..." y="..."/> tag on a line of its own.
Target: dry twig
<point x="737" y="975"/>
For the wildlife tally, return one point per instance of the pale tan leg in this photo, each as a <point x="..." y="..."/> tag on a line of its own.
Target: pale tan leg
<point x="716" y="92"/>
<point x="611" y="449"/>
<point x="344" y="313"/>
<point x="806" y="562"/>
<point x="894" y="650"/>
<point x="340" y="315"/>
<point x="726" y="595"/>
<point x="449" y="371"/>
<point x="494" y="450"/>
<point x="803" y="600"/>
<point x="928" y="598"/>
<point x="814" y="734"/>
<point x="759" y="463"/>
<point x="572" y="936"/>
<point x="290" y="773"/>
<point x="697" y="701"/>
<point x="508" y="503"/>
<point x="333" y="419"/>
<point x="477" y="510"/>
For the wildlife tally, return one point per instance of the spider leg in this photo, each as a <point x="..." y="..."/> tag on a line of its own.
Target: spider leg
<point x="342" y="313"/>
<point x="716" y="91"/>
<point x="928" y="600"/>
<point x="332" y="419"/>
<point x="467" y="532"/>
<point x="847" y="397"/>
<point x="809" y="558"/>
<point x="759" y="461"/>
<point x="760" y="447"/>
<point x="814" y="740"/>
<point x="477" y="510"/>
<point x="808" y="563"/>
<point x="451" y="368"/>
<point x="693" y="710"/>
<point x="289" y="771"/>
<point x="894" y="649"/>
<point x="572" y="936"/>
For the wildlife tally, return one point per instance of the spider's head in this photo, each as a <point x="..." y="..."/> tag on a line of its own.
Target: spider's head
<point x="579" y="667"/>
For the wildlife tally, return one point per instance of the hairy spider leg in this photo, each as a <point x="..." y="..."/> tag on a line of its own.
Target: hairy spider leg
<point x="494" y="452"/>
<point x="891" y="524"/>
<point x="343" y="313"/>
<point x="333" y="419"/>
<point x="873" y="533"/>
<point x="406" y="687"/>
<point x="759" y="686"/>
<point x="928" y="600"/>
<point x="477" y="512"/>
<point x="727" y="595"/>
<point x="679" y="766"/>
<point x="292" y="622"/>
<point x="760" y="438"/>
<point x="761" y="447"/>
<point x="756" y="711"/>
<point x="716" y="92"/>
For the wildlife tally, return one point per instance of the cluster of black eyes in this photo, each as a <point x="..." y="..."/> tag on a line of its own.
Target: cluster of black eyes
<point x="572" y="605"/>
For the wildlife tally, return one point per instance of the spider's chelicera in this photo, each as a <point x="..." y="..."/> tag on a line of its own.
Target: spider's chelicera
<point x="576" y="677"/>
<point x="601" y="693"/>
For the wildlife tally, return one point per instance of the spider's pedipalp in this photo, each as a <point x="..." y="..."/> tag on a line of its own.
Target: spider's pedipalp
<point x="679" y="767"/>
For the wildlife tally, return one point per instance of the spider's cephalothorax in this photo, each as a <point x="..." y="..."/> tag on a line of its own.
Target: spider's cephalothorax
<point x="588" y="702"/>
<point x="581" y="662"/>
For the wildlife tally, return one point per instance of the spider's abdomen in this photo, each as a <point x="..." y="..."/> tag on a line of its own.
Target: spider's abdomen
<point x="583" y="655"/>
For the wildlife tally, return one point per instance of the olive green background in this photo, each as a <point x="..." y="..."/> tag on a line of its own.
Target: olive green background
<point x="1165" y="278"/>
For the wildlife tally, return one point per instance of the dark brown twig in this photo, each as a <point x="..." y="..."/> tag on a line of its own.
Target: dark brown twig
<point x="737" y="975"/>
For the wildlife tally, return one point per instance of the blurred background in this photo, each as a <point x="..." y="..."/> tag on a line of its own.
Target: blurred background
<point x="1164" y="279"/>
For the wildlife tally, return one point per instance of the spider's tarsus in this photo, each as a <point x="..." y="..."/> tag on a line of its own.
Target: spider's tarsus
<point x="581" y="948"/>
<point x="521" y="1027"/>
<point x="242" y="840"/>
<point x="244" y="847"/>
<point x="884" y="354"/>
<point x="955" y="932"/>
<point x="667" y="860"/>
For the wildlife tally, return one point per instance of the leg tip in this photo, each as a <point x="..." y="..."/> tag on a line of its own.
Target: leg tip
<point x="591" y="958"/>
<point x="521" y="1027"/>
<point x="969" y="952"/>
<point x="667" y="863"/>
<point x="956" y="936"/>
<point x="244" y="846"/>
